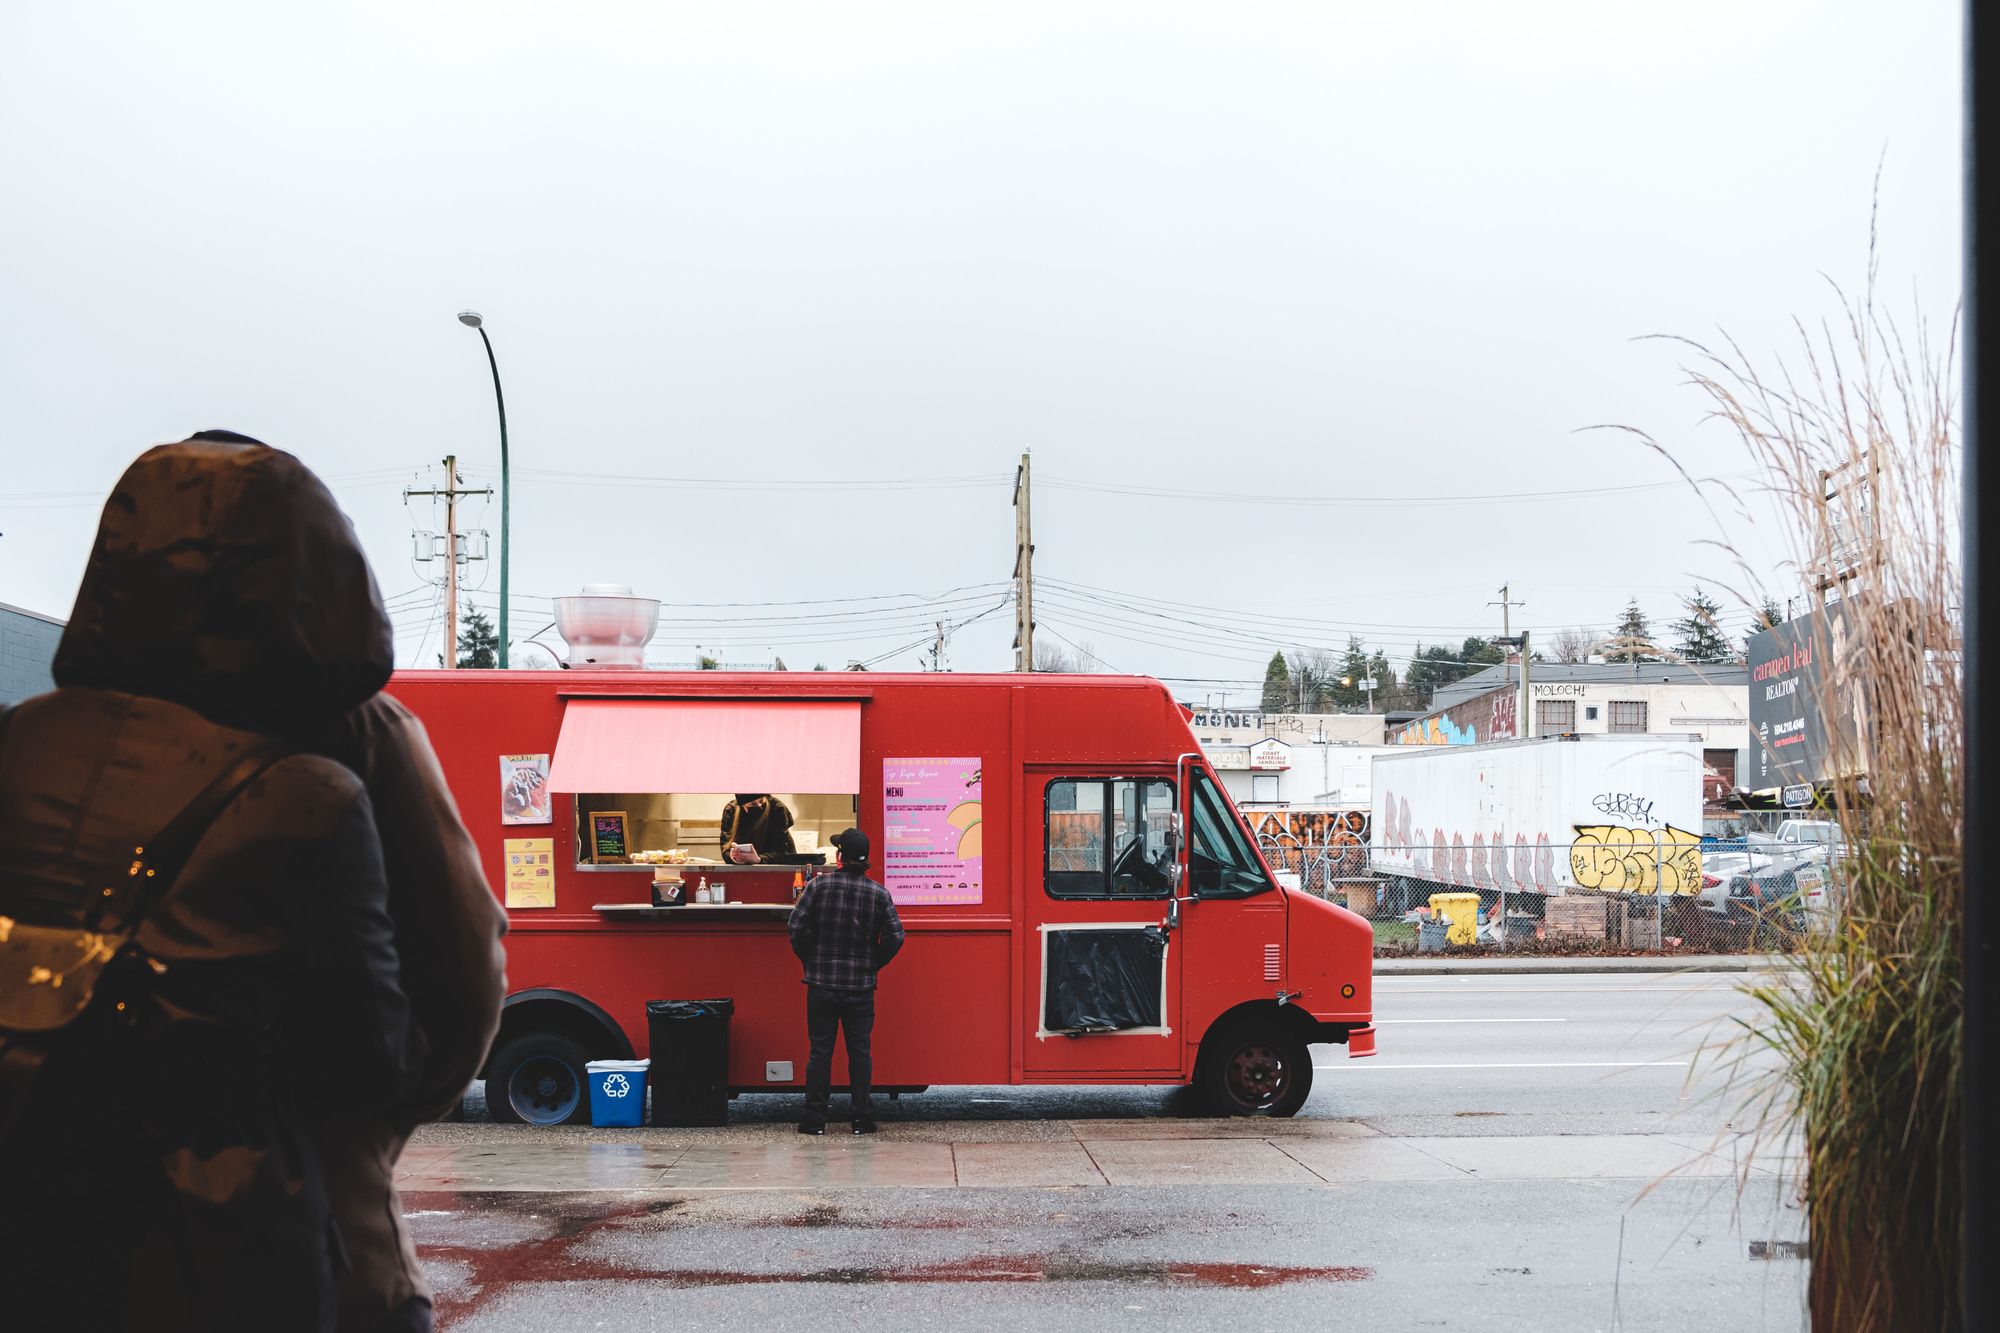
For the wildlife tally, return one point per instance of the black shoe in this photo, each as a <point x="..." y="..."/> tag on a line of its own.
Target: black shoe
<point x="811" y="1127"/>
<point x="865" y="1125"/>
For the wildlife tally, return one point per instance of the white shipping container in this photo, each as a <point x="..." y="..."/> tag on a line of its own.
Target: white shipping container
<point x="1615" y="813"/>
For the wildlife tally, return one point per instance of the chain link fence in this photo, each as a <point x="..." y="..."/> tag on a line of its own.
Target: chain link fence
<point x="1607" y="889"/>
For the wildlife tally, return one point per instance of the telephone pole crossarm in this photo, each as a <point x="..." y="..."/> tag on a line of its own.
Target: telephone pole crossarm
<point x="451" y="495"/>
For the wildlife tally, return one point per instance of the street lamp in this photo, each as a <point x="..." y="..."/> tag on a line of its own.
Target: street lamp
<point x="472" y="320"/>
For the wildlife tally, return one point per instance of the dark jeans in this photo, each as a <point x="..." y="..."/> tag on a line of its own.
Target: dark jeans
<point x="853" y="1011"/>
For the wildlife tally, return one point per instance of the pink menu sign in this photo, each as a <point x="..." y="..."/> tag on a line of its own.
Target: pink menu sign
<point x="931" y="830"/>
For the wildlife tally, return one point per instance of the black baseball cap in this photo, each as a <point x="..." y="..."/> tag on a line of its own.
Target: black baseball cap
<point x="853" y="847"/>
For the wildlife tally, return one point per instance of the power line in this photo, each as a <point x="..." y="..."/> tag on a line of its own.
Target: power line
<point x="1412" y="501"/>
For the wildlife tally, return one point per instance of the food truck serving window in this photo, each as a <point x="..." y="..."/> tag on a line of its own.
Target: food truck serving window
<point x="1107" y="838"/>
<point x="1220" y="859"/>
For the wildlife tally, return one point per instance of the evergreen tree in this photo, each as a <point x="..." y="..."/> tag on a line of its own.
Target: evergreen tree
<point x="1384" y="677"/>
<point x="1439" y="665"/>
<point x="478" y="645"/>
<point x="1769" y="616"/>
<point x="1632" y="626"/>
<point x="1353" y="670"/>
<point x="1277" y="685"/>
<point x="1697" y="637"/>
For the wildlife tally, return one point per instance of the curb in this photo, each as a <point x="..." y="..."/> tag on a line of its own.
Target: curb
<point x="1528" y="967"/>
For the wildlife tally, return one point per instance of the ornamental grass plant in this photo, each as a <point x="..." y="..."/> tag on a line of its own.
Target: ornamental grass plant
<point x="1853" y="1055"/>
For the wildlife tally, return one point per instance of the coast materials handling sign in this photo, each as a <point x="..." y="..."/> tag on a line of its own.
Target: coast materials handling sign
<point x="932" y="830"/>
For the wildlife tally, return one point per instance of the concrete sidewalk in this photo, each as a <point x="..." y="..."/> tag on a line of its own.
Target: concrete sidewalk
<point x="1437" y="965"/>
<point x="1044" y="1154"/>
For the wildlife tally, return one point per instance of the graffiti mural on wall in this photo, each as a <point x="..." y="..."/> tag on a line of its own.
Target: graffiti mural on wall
<point x="1618" y="859"/>
<point x="1610" y="858"/>
<point x="1316" y="845"/>
<point x="1489" y="717"/>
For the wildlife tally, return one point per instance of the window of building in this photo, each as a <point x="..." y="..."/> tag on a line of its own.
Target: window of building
<point x="1627" y="715"/>
<point x="1554" y="717"/>
<point x="1107" y="838"/>
<point x="1264" y="788"/>
<point x="1590" y="712"/>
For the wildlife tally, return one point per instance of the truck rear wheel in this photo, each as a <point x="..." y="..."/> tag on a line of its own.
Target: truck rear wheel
<point x="1254" y="1068"/>
<point x="538" y="1079"/>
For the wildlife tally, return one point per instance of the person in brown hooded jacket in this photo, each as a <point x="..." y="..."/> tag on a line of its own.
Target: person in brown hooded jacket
<point x="226" y="602"/>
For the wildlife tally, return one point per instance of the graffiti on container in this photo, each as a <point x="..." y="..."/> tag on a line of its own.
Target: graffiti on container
<point x="1511" y="863"/>
<point x="1619" y="859"/>
<point x="1623" y="805"/>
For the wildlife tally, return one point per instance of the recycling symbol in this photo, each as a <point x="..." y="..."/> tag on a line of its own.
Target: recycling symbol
<point x="615" y="1085"/>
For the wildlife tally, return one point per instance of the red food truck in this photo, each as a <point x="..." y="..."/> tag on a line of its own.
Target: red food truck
<point x="1082" y="902"/>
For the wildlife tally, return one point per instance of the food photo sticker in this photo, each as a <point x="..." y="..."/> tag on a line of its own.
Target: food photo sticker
<point x="524" y="789"/>
<point x="932" y="830"/>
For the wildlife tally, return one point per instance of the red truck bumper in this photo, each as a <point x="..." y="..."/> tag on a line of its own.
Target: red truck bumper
<point x="1360" y="1042"/>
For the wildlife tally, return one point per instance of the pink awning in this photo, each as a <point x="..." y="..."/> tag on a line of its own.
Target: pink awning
<point x="678" y="745"/>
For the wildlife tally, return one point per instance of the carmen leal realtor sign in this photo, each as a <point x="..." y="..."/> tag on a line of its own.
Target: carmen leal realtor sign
<point x="1800" y="731"/>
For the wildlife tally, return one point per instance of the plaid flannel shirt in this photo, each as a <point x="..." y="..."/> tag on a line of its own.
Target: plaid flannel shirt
<point x="845" y="929"/>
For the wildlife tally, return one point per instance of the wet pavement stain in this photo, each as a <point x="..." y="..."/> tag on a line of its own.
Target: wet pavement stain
<point x="486" y="1273"/>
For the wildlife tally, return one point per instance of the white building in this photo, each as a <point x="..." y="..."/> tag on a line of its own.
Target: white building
<point x="1590" y="698"/>
<point x="1274" y="759"/>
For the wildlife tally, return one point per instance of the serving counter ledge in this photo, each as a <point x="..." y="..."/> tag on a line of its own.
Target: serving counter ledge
<point x="706" y="911"/>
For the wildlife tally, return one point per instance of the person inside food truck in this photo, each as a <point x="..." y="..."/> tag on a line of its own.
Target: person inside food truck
<point x="757" y="827"/>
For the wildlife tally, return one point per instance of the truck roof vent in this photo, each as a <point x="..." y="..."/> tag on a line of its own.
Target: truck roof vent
<point x="606" y="626"/>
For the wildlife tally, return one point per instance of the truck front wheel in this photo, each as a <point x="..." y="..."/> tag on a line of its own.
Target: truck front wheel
<point x="1254" y="1068"/>
<point x="538" y="1079"/>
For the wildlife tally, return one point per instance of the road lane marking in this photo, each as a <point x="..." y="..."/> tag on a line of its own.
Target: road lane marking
<point x="1552" y="1064"/>
<point x="1560" y="990"/>
<point x="1380" y="1021"/>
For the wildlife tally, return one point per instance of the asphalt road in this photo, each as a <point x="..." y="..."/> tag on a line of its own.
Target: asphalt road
<point x="1549" y="1053"/>
<point x="1488" y="1057"/>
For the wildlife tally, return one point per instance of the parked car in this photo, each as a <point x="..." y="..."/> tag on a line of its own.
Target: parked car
<point x="1744" y="890"/>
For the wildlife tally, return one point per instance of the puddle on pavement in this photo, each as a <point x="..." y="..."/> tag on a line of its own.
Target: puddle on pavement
<point x="480" y="1275"/>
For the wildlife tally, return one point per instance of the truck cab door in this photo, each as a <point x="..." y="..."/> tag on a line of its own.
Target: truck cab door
<point x="1102" y="979"/>
<point x="1233" y="917"/>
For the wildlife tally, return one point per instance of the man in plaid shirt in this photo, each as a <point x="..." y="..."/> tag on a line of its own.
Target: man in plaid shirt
<point x="845" y="930"/>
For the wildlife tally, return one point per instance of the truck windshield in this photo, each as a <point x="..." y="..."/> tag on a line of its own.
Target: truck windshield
<point x="1220" y="860"/>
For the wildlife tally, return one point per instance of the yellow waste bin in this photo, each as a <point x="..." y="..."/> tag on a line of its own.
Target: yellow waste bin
<point x="1460" y="912"/>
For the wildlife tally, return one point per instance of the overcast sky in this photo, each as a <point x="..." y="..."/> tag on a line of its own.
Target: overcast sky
<point x="1387" y="258"/>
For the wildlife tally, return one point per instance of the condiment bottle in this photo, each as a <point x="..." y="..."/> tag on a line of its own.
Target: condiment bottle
<point x="701" y="890"/>
<point x="798" y="884"/>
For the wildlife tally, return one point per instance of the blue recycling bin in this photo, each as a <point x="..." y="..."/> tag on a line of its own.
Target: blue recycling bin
<point x="617" y="1092"/>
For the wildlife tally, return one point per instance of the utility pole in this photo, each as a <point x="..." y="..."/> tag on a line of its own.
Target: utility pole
<point x="1506" y="620"/>
<point x="1507" y="636"/>
<point x="1024" y="572"/>
<point x="452" y="492"/>
<point x="937" y="648"/>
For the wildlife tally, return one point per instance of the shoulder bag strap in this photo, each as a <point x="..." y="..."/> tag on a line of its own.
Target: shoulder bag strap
<point x="157" y="863"/>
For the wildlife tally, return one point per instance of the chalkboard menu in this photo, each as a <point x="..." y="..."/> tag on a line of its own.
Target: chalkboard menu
<point x="607" y="835"/>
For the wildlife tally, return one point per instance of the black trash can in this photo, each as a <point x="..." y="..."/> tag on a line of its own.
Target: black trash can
<point x="690" y="1071"/>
